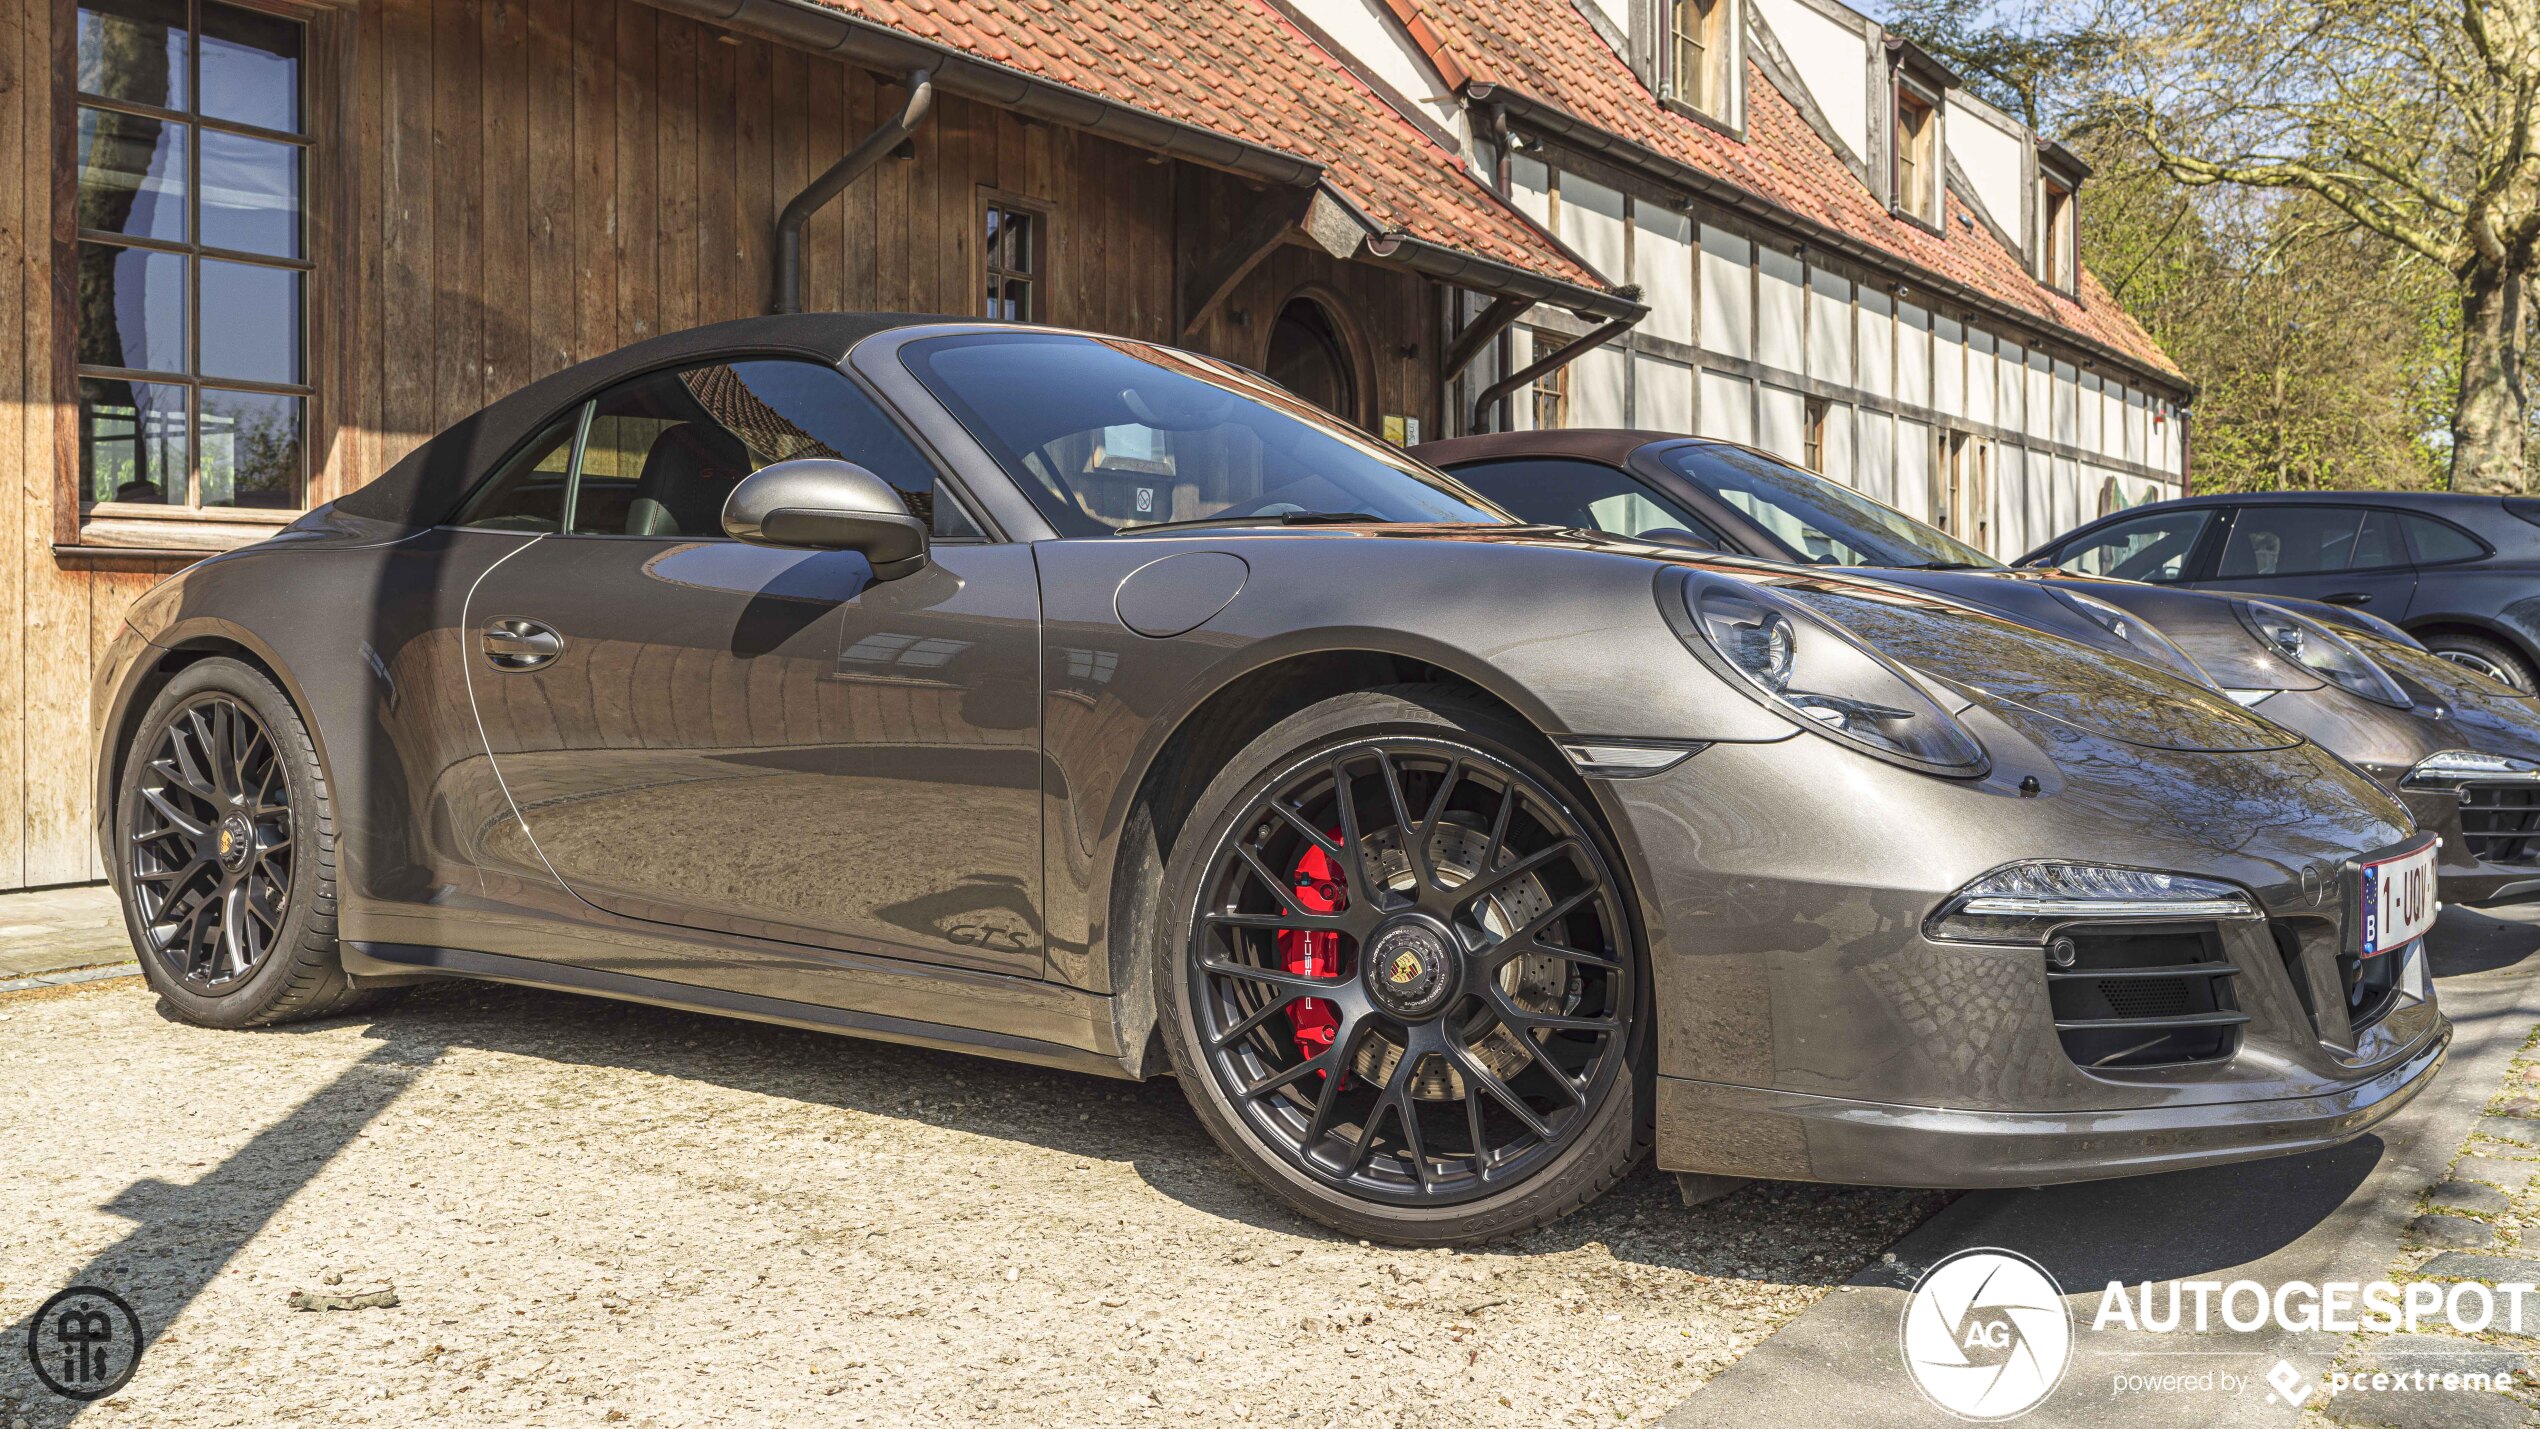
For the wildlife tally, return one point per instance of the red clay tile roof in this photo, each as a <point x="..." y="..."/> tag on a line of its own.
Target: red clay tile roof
<point x="1546" y="50"/>
<point x="1240" y="68"/>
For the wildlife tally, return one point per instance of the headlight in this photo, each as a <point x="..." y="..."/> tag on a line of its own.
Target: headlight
<point x="2451" y="768"/>
<point x="1797" y="662"/>
<point x="2025" y="901"/>
<point x="2151" y="645"/>
<point x="2321" y="651"/>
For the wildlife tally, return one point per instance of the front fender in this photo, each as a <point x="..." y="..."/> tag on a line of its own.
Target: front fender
<point x="1570" y="639"/>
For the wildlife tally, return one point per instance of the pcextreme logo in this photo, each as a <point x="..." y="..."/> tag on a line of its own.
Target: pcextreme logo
<point x="1986" y="1335"/>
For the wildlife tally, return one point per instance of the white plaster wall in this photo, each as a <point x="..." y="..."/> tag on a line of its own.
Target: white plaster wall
<point x="1599" y="390"/>
<point x="1991" y="159"/>
<point x="1838" y="443"/>
<point x="1833" y="63"/>
<point x="1726" y="409"/>
<point x="1781" y="417"/>
<point x="2010" y="405"/>
<point x="1874" y="455"/>
<point x="1530" y="185"/>
<point x="1728" y="295"/>
<point x="1913" y="355"/>
<point x="1662" y="394"/>
<point x="1592" y="222"/>
<point x="1662" y="263"/>
<point x="1980" y="373"/>
<point x="1830" y="327"/>
<point x="1949" y="366"/>
<point x="1781" y="311"/>
<point x="1878" y="344"/>
<point x="1913" y="469"/>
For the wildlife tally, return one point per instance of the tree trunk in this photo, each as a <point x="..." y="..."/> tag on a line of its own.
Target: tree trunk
<point x="2488" y="424"/>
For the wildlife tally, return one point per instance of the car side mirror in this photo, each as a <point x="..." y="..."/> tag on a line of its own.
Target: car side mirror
<point x="824" y="504"/>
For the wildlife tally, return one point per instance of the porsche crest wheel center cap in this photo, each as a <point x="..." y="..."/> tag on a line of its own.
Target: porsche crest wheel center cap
<point x="1411" y="967"/>
<point x="232" y="839"/>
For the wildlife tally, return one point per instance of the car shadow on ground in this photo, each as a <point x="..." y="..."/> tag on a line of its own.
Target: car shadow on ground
<point x="1780" y="1233"/>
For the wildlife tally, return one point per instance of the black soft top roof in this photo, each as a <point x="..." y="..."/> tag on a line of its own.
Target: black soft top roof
<point x="427" y="486"/>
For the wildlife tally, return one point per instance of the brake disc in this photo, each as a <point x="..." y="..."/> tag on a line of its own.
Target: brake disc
<point x="1535" y="982"/>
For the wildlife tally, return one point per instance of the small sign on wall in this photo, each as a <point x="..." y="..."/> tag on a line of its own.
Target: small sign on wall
<point x="1402" y="431"/>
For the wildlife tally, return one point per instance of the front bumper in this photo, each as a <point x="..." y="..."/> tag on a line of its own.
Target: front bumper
<point x="1791" y="1136"/>
<point x="1809" y="1027"/>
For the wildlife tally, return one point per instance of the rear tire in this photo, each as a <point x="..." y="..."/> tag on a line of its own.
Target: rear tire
<point x="225" y="854"/>
<point x="2493" y="658"/>
<point x="1422" y="1141"/>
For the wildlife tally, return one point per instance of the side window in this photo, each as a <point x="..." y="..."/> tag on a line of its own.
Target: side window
<point x="2307" y="540"/>
<point x="1589" y="495"/>
<point x="2438" y="543"/>
<point x="527" y="493"/>
<point x="2152" y="547"/>
<point x="665" y="450"/>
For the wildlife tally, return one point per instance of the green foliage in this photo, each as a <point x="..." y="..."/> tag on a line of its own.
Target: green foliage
<point x="2326" y="355"/>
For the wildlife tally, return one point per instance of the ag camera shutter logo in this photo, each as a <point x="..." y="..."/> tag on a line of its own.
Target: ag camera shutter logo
<point x="1986" y="1334"/>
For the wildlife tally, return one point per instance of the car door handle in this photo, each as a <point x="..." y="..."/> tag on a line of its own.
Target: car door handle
<point x="2352" y="597"/>
<point x="521" y="645"/>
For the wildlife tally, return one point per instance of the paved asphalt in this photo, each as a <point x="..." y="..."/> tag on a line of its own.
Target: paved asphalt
<point x="2332" y="1215"/>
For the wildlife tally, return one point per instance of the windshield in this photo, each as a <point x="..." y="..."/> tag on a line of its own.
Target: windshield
<point x="1829" y="524"/>
<point x="1110" y="436"/>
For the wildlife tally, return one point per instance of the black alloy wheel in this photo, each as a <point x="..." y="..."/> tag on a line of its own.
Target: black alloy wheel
<point x="1410" y="971"/>
<point x="224" y="842"/>
<point x="209" y="848"/>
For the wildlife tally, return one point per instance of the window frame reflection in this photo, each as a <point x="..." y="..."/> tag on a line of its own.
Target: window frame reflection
<point x="266" y="411"/>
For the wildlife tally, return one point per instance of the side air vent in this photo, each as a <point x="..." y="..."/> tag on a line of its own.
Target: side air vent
<point x="2142" y="999"/>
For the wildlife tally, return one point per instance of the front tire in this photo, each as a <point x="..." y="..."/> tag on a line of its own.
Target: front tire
<point x="1401" y="983"/>
<point x="225" y="849"/>
<point x="2492" y="658"/>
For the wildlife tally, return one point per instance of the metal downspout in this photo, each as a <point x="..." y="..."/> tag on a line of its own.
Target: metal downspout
<point x="889" y="135"/>
<point x="1561" y="356"/>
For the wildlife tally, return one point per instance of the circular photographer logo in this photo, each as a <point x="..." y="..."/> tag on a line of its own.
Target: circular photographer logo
<point x="84" y="1343"/>
<point x="1986" y="1334"/>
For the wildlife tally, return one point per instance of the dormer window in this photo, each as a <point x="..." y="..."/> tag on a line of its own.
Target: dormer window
<point x="1700" y="55"/>
<point x="2058" y="237"/>
<point x="1917" y="154"/>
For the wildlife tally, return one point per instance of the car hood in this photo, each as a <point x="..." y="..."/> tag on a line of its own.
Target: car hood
<point x="2057" y="672"/>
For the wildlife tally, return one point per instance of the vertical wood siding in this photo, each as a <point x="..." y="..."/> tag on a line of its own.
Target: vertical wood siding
<point x="504" y="187"/>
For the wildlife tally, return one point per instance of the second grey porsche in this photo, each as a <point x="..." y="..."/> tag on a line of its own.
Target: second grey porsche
<point x="1074" y="700"/>
<point x="2460" y="749"/>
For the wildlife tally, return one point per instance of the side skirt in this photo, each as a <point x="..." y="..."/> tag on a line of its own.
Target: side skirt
<point x="386" y="963"/>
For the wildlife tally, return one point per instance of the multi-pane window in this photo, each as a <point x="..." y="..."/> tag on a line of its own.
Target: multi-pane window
<point x="1699" y="54"/>
<point x="1917" y="146"/>
<point x="193" y="267"/>
<point x="1552" y="399"/>
<point x="1014" y="242"/>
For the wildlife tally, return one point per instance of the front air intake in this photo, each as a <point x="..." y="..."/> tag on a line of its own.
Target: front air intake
<point x="2130" y="998"/>
<point x="2501" y="821"/>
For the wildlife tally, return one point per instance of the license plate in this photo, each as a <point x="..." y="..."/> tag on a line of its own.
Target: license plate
<point x="2398" y="900"/>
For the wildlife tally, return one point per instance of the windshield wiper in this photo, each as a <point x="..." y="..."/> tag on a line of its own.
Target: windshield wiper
<point x="1945" y="566"/>
<point x="1284" y="518"/>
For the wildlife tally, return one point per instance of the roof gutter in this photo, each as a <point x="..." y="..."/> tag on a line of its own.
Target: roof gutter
<point x="1489" y="275"/>
<point x="809" y="25"/>
<point x="1557" y="123"/>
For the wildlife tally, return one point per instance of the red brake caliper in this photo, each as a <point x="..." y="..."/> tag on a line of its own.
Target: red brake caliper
<point x="1319" y="889"/>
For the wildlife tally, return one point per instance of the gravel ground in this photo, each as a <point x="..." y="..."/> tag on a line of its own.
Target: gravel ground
<point x="594" y="1213"/>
